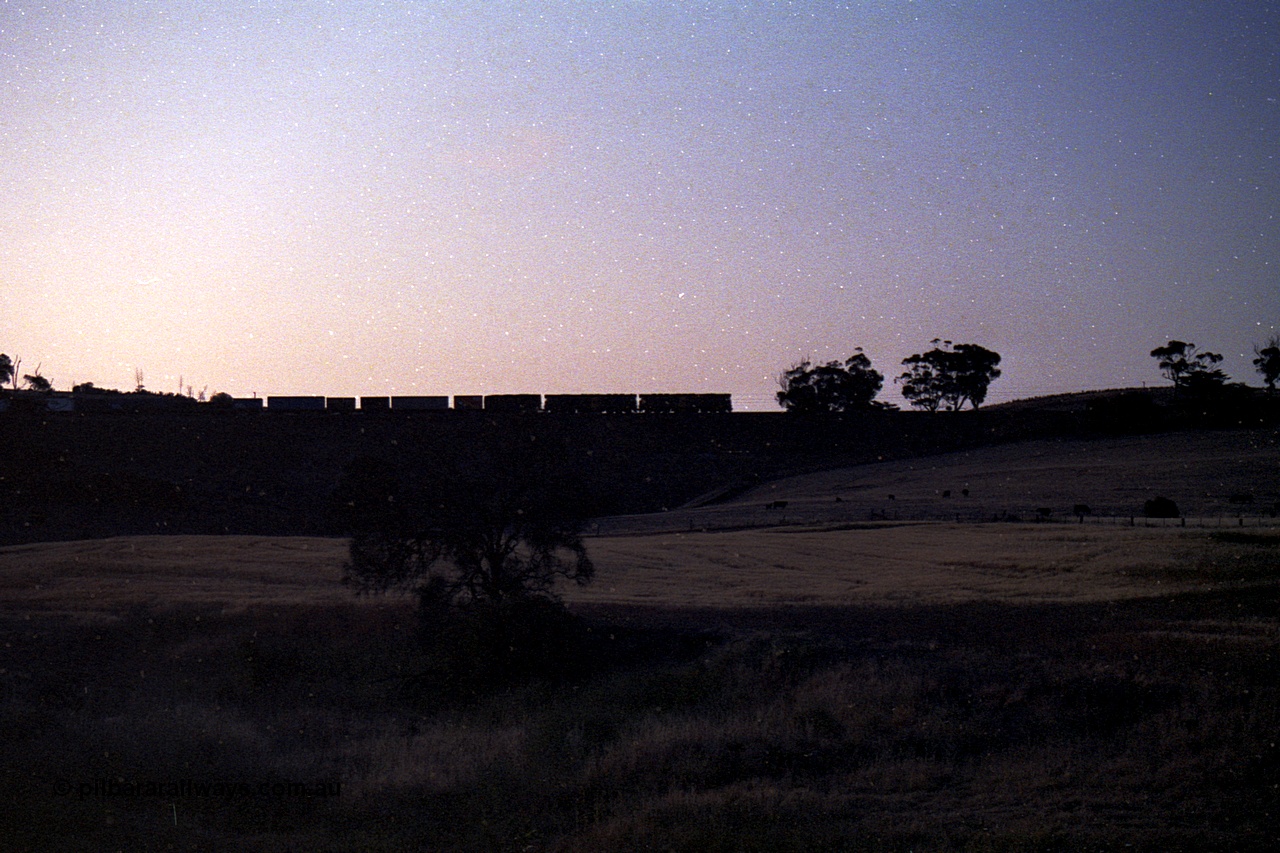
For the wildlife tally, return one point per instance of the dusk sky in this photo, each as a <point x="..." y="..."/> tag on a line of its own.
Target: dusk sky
<point x="362" y="198"/>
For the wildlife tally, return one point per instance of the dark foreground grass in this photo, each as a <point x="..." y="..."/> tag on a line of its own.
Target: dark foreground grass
<point x="1138" y="726"/>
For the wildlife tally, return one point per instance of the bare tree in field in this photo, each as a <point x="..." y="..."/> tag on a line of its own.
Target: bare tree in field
<point x="504" y="526"/>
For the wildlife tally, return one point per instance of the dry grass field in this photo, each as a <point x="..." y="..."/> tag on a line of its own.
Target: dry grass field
<point x="907" y="564"/>
<point x="903" y="564"/>
<point x="819" y="685"/>
<point x="104" y="577"/>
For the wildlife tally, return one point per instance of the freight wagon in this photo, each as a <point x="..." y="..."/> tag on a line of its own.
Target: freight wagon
<point x="681" y="403"/>
<point x="295" y="404"/>
<point x="597" y="404"/>
<point x="420" y="404"/>
<point x="513" y="403"/>
<point x="130" y="403"/>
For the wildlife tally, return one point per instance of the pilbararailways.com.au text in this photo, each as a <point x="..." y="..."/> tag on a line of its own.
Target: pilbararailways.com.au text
<point x="189" y="788"/>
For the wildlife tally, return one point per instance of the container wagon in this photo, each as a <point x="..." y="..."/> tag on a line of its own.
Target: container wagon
<point x="591" y="403"/>
<point x="95" y="403"/>
<point x="513" y="403"/>
<point x="682" y="403"/>
<point x="420" y="404"/>
<point x="295" y="404"/>
<point x="132" y="402"/>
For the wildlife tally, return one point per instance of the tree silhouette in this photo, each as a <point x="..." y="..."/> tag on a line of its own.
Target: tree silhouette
<point x="7" y="368"/>
<point x="481" y="539"/>
<point x="502" y="528"/>
<point x="1188" y="367"/>
<point x="1268" y="361"/>
<point x="36" y="382"/>
<point x="830" y="387"/>
<point x="948" y="376"/>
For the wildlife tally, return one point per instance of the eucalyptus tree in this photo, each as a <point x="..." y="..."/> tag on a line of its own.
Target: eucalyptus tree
<point x="949" y="376"/>
<point x="851" y="385"/>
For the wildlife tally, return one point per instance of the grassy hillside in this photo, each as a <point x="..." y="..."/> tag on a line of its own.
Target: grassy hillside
<point x="1208" y="473"/>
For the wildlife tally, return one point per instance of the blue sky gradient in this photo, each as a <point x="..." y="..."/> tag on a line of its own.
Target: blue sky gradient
<point x="353" y="198"/>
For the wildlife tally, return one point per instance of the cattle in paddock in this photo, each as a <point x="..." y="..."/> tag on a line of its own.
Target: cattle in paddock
<point x="776" y="505"/>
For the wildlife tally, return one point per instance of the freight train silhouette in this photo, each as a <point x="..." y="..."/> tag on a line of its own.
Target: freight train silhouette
<point x="503" y="403"/>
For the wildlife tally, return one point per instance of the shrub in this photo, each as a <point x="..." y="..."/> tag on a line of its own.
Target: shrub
<point x="1160" y="507"/>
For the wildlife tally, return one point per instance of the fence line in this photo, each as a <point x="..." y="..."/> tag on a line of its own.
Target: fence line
<point x="712" y="521"/>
